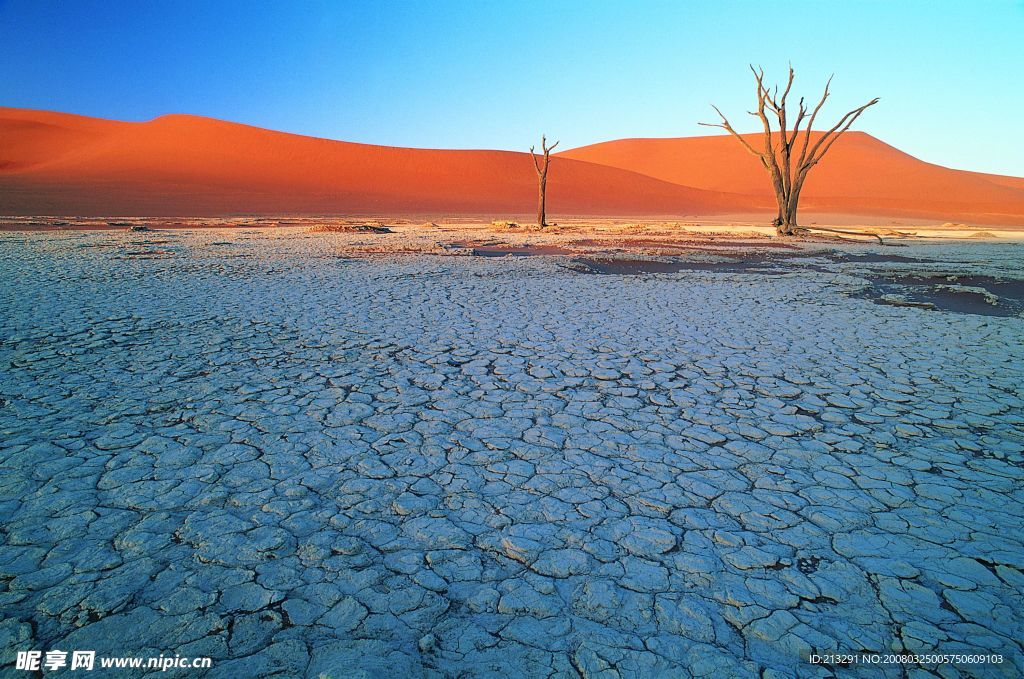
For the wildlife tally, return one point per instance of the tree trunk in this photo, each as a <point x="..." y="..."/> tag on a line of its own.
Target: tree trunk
<point x="785" y="220"/>
<point x="542" y="178"/>
<point x="787" y="224"/>
<point x="540" y="205"/>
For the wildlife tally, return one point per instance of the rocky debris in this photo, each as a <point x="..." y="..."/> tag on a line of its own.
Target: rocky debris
<point x="422" y="466"/>
<point x="348" y="228"/>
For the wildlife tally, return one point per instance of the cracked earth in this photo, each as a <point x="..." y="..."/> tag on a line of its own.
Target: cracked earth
<point x="251" y="448"/>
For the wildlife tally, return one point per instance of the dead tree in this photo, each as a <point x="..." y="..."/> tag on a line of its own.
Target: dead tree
<point x="787" y="166"/>
<point x="542" y="177"/>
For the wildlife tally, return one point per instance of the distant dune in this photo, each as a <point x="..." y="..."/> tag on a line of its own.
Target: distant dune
<point x="177" y="165"/>
<point x="860" y="175"/>
<point x="59" y="164"/>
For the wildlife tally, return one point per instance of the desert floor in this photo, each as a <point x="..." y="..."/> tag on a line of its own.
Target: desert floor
<point x="626" y="451"/>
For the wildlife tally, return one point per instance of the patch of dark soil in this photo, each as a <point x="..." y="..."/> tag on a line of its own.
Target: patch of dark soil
<point x="980" y="295"/>
<point x="498" y="248"/>
<point x="686" y="243"/>
<point x="876" y="258"/>
<point x="146" y="254"/>
<point x="1004" y="288"/>
<point x="606" y="266"/>
<point x="519" y="251"/>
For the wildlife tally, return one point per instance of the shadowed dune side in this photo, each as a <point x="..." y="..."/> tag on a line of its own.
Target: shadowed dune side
<point x="1000" y="179"/>
<point x="31" y="138"/>
<point x="860" y="175"/>
<point x="186" y="165"/>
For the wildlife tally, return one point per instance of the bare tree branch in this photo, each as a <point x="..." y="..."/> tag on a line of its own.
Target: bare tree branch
<point x="536" y="165"/>
<point x="728" y="128"/>
<point x="810" y="122"/>
<point x="852" y="115"/>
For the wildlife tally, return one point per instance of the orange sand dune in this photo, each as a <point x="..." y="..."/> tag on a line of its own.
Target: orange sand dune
<point x="62" y="164"/>
<point x="59" y="164"/>
<point x="860" y="175"/>
<point x="1002" y="180"/>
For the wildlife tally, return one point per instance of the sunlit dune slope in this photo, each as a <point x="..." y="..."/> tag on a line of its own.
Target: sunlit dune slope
<point x="860" y="175"/>
<point x="58" y="164"/>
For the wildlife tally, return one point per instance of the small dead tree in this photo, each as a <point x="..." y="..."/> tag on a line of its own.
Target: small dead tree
<point x="788" y="168"/>
<point x="542" y="177"/>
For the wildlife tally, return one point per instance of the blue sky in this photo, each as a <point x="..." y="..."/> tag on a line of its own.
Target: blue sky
<point x="495" y="74"/>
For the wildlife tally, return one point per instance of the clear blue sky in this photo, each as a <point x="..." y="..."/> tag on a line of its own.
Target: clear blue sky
<point x="497" y="73"/>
